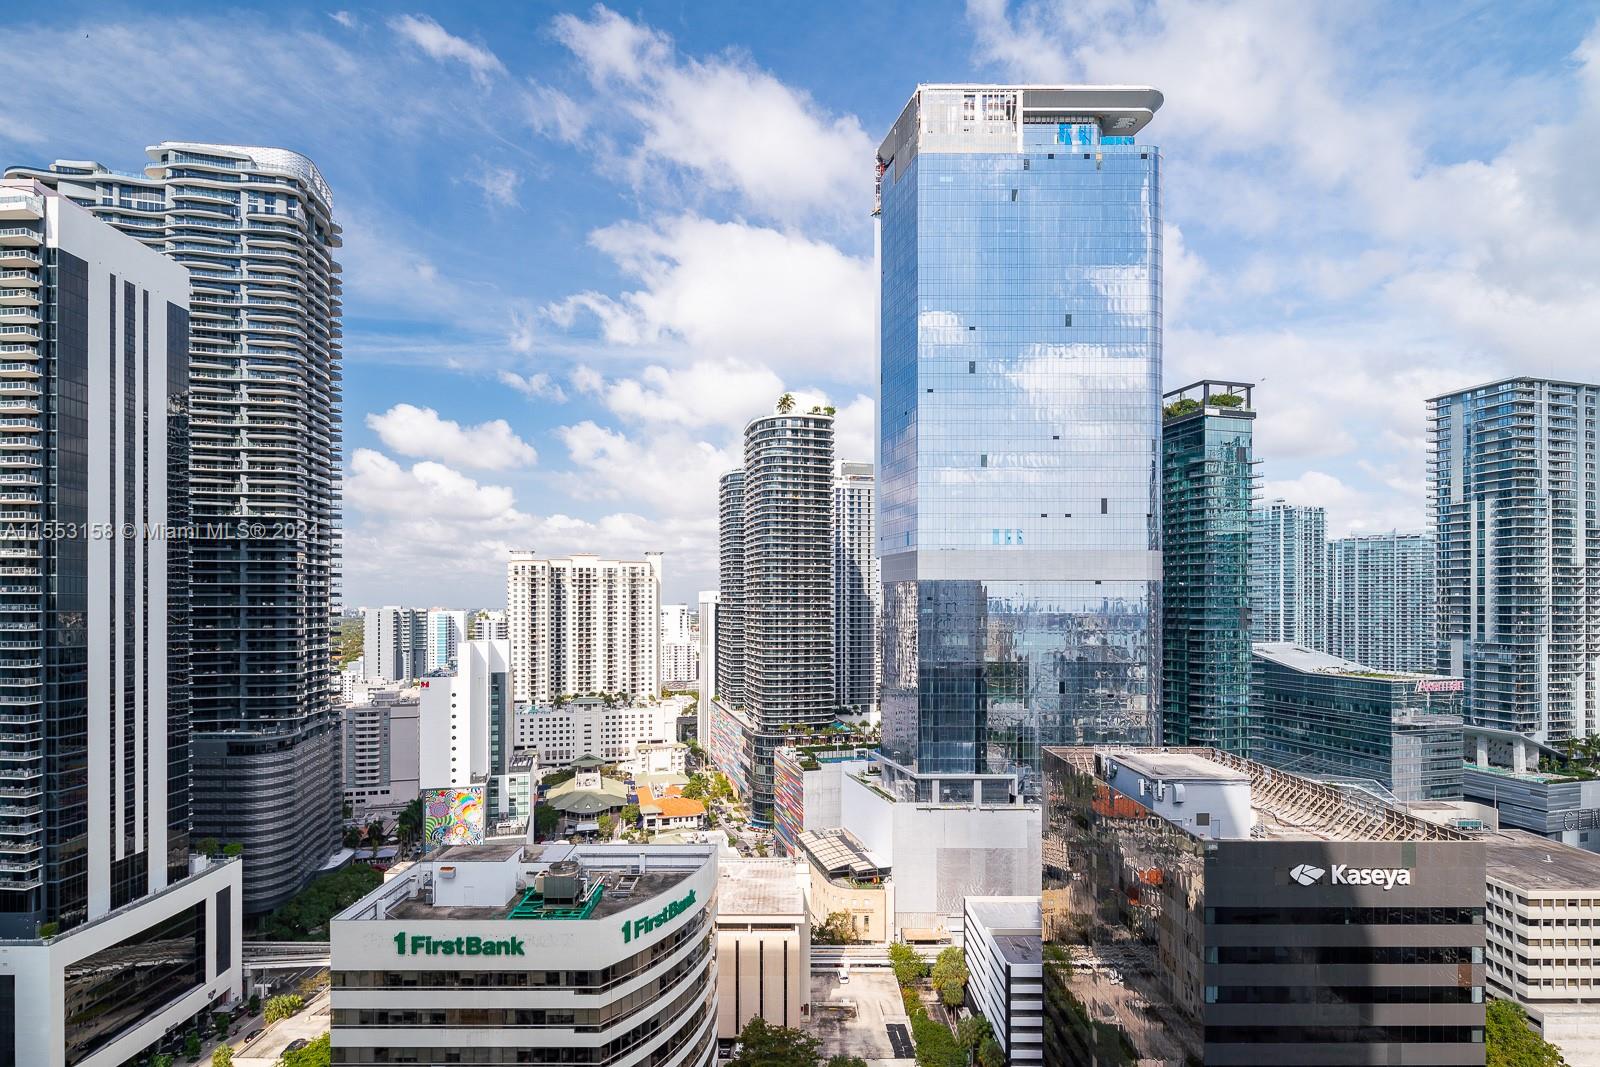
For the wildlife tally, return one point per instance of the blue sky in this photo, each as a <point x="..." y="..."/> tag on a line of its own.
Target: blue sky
<point x="584" y="244"/>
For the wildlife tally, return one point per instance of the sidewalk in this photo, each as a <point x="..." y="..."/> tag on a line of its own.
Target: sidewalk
<point x="309" y="1023"/>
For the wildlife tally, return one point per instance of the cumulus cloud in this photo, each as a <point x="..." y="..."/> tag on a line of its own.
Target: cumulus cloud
<point x="734" y="291"/>
<point x="722" y="122"/>
<point x="434" y="40"/>
<point x="414" y="431"/>
<point x="534" y="386"/>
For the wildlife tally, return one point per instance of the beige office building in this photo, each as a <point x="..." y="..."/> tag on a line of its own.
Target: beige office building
<point x="763" y="945"/>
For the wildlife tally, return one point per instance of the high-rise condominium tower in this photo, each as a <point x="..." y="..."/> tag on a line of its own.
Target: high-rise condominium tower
<point x="255" y="228"/>
<point x="394" y="644"/>
<point x="1020" y="336"/>
<point x="1512" y="483"/>
<point x="584" y="626"/>
<point x="730" y="578"/>
<point x="1289" y="574"/>
<point x="1381" y="601"/>
<point x="447" y="630"/>
<point x="780" y="538"/>
<point x="856" y="591"/>
<point x="108" y="937"/>
<point x="1207" y="479"/>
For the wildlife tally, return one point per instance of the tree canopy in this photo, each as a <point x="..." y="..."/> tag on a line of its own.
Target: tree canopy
<point x="950" y="976"/>
<point x="1510" y="1042"/>
<point x="316" y="1054"/>
<point x="763" y="1045"/>
<point x="305" y="916"/>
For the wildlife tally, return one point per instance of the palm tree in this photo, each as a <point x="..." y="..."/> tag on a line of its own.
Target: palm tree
<point x="408" y="826"/>
<point x="785" y="403"/>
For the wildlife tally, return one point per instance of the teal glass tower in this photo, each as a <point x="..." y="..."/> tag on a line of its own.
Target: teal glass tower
<point x="1018" y="515"/>
<point x="1207" y="481"/>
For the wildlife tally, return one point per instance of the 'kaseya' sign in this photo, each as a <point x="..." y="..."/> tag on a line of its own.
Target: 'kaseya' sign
<point x="1344" y="874"/>
<point x="423" y="945"/>
<point x="632" y="928"/>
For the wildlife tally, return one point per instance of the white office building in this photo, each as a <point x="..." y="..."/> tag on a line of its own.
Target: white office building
<point x="857" y="592"/>
<point x="710" y="620"/>
<point x="111" y="934"/>
<point x="466" y="723"/>
<point x="490" y="626"/>
<point x="446" y="629"/>
<point x="1289" y="574"/>
<point x="584" y="626"/>
<point x="588" y="727"/>
<point x="506" y="953"/>
<point x="1381" y="601"/>
<point x="763" y="945"/>
<point x="1005" y="968"/>
<point x="383" y="750"/>
<point x="395" y="646"/>
<point x="680" y="645"/>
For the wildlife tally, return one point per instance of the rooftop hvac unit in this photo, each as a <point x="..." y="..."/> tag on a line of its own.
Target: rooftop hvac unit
<point x="563" y="882"/>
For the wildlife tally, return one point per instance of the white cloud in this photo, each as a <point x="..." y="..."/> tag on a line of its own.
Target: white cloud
<point x="499" y="184"/>
<point x="668" y="470"/>
<point x="534" y="386"/>
<point x="343" y="18"/>
<point x="441" y="44"/>
<point x="705" y="393"/>
<point x="554" y="114"/>
<point x="377" y="483"/>
<point x="1350" y="510"/>
<point x="733" y="127"/>
<point x="414" y="431"/>
<point x="732" y="291"/>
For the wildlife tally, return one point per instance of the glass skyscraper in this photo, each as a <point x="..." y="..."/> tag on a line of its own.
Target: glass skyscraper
<point x="1381" y="601"/>
<point x="1289" y="574"/>
<point x="1207" y="480"/>
<point x="1512" y="484"/>
<point x="1018" y="533"/>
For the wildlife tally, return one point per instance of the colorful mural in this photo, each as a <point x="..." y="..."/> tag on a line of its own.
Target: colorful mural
<point x="452" y="817"/>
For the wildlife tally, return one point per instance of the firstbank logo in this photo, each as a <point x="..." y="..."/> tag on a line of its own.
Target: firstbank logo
<point x="1306" y="874"/>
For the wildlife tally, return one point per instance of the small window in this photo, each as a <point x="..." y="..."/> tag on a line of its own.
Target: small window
<point x="1103" y="505"/>
<point x="1055" y="437"/>
<point x="1144" y="155"/>
<point x="1061" y="688"/>
<point x="972" y="327"/>
<point x="930" y="390"/>
<point x="1042" y="515"/>
<point x="1013" y="196"/>
<point x="1069" y="321"/>
<point x="1049" y="155"/>
<point x="1087" y="155"/>
<point x="972" y="368"/>
<point x="983" y="460"/>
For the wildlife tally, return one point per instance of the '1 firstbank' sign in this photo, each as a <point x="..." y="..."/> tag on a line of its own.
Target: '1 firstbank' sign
<point x="1343" y="874"/>
<point x="645" y="923"/>
<point x="423" y="945"/>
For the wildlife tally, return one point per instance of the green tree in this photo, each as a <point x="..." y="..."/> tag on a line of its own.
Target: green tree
<point x="351" y="641"/>
<point x="191" y="1045"/>
<point x="317" y="1054"/>
<point x="696" y="787"/>
<point x="222" y="1056"/>
<point x="207" y="846"/>
<point x="909" y="966"/>
<point x="281" y="1007"/>
<point x="233" y="850"/>
<point x="765" y="1045"/>
<point x="255" y="1003"/>
<point x="837" y="930"/>
<point x="305" y="916"/>
<point x="1509" y="1042"/>
<point x="972" y="1032"/>
<point x="785" y="403"/>
<point x="161" y="1059"/>
<point x="936" y="1045"/>
<point x="408" y="825"/>
<point x="630" y="815"/>
<point x="950" y="976"/>
<point x="352" y="837"/>
<point x="991" y="1053"/>
<point x="608" y="825"/>
<point x="842" y="1060"/>
<point x="545" y="819"/>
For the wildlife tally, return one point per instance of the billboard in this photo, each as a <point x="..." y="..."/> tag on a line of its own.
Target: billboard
<point x="452" y="817"/>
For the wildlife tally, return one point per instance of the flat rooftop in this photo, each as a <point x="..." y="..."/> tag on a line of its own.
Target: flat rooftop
<point x="1021" y="948"/>
<point x="488" y="852"/>
<point x="760" y="887"/>
<point x="1528" y="861"/>
<point x="1300" y="658"/>
<point x="620" y="892"/>
<point x="1171" y="765"/>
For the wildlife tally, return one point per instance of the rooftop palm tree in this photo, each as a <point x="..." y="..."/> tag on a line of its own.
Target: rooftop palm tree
<point x="785" y="403"/>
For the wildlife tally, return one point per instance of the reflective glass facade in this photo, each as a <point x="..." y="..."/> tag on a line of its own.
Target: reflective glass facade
<point x="1381" y="601"/>
<point x="1021" y="364"/>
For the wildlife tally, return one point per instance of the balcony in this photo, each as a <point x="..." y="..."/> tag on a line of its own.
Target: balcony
<point x="20" y="237"/>
<point x="16" y="206"/>
<point x="18" y="257"/>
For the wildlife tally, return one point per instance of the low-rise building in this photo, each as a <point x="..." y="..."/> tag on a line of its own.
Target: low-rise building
<point x="763" y="945"/>
<point x="657" y="758"/>
<point x="667" y="810"/>
<point x="1534" y="787"/>
<point x="808" y="784"/>
<point x="1005" y="972"/>
<point x="507" y="953"/>
<point x="1542" y="925"/>
<point x="589" y="726"/>
<point x="844" y="879"/>
<point x="1320" y="715"/>
<point x="1214" y="909"/>
<point x="382" y="750"/>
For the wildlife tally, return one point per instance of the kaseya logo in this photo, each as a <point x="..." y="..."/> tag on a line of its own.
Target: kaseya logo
<point x="1343" y="874"/>
<point x="1306" y="874"/>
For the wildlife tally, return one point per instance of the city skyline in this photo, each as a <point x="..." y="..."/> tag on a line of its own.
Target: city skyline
<point x="511" y="258"/>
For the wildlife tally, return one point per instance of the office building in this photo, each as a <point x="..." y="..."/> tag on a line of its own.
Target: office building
<point x="394" y="644"/>
<point x="680" y="645"/>
<point x="844" y="878"/>
<point x="490" y="626"/>
<point x="1005" y="968"/>
<point x="779" y="537"/>
<point x="710" y="625"/>
<point x="446" y="629"/>
<point x="1322" y="716"/>
<point x="255" y="229"/>
<point x="1511" y="480"/>
<point x="466" y="723"/>
<point x="584" y="626"/>
<point x="1289" y="574"/>
<point x="1225" y="912"/>
<point x="1018" y="520"/>
<point x="94" y="742"/>
<point x="1543" y="932"/>
<point x="1381" y="601"/>
<point x="857" y="592"/>
<point x="506" y="953"/>
<point x="1207" y="482"/>
<point x="382" y="750"/>
<point x="809" y="787"/>
<point x="763" y="945"/>
<point x="1532" y="786"/>
<point x="590" y="727"/>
